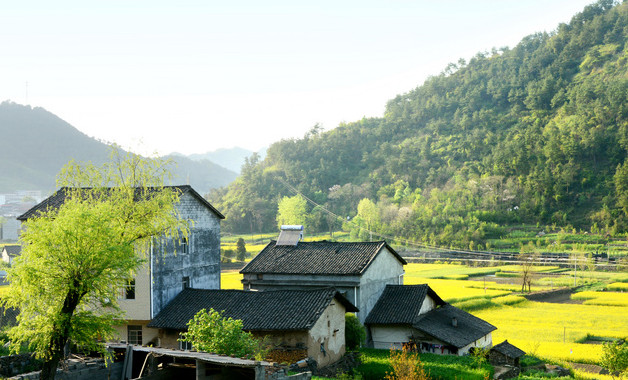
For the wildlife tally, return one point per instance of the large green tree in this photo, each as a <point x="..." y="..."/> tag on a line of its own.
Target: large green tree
<point x="75" y="257"/>
<point x="292" y="210"/>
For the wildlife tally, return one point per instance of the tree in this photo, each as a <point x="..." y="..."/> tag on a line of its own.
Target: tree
<point x="240" y="249"/>
<point x="615" y="358"/>
<point x="292" y="210"/>
<point x="75" y="257"/>
<point x="209" y="331"/>
<point x="368" y="212"/>
<point x="527" y="258"/>
<point x="355" y="334"/>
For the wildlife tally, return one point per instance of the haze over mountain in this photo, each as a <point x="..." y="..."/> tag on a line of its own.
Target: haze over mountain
<point x="230" y="158"/>
<point x="535" y="134"/>
<point x="35" y="144"/>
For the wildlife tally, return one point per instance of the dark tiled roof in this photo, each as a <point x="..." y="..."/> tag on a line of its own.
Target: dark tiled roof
<point x="295" y="310"/>
<point x="58" y="198"/>
<point x="438" y="323"/>
<point x="13" y="250"/>
<point x="508" y="350"/>
<point x="8" y="316"/>
<point x="320" y="257"/>
<point x="400" y="304"/>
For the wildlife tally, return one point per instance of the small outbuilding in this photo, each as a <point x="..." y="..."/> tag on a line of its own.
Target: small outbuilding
<point x="310" y="323"/>
<point x="415" y="314"/>
<point x="505" y="354"/>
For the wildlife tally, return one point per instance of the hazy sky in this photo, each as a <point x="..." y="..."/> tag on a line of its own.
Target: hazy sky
<point x="194" y="76"/>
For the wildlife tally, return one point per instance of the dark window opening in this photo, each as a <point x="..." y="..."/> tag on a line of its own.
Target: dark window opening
<point x="129" y="290"/>
<point x="185" y="282"/>
<point x="184" y="245"/>
<point x="134" y="333"/>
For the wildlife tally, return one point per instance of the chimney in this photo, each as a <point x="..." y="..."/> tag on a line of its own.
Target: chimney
<point x="454" y="321"/>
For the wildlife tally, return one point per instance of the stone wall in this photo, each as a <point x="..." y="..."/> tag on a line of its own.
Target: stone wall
<point x="76" y="369"/>
<point x="15" y="364"/>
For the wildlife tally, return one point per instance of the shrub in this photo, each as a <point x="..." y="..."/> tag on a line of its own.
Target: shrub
<point x="208" y="331"/>
<point x="615" y="357"/>
<point x="406" y="366"/>
<point x="355" y="334"/>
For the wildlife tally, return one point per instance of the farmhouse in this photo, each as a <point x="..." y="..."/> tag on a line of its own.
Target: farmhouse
<point x="416" y="314"/>
<point x="9" y="252"/>
<point x="358" y="270"/>
<point x="307" y="323"/>
<point x="171" y="266"/>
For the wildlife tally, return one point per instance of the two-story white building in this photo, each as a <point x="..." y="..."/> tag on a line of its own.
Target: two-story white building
<point x="171" y="266"/>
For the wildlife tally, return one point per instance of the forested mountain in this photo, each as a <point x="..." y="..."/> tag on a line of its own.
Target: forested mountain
<point x="35" y="144"/>
<point x="537" y="133"/>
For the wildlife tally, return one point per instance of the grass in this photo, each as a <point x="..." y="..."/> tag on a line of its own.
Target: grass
<point x="375" y="365"/>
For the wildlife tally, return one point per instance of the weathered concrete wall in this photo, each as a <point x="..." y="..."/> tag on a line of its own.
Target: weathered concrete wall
<point x="384" y="270"/>
<point x="484" y="342"/>
<point x="348" y="286"/>
<point x="201" y="263"/>
<point x="328" y="333"/>
<point x="168" y="338"/>
<point x="94" y="369"/>
<point x="385" y="337"/>
<point x="428" y="304"/>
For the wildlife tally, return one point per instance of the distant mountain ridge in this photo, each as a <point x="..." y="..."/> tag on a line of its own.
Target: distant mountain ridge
<point x="35" y="144"/>
<point x="230" y="158"/>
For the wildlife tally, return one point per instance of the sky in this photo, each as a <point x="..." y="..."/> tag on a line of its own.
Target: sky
<point x="195" y="76"/>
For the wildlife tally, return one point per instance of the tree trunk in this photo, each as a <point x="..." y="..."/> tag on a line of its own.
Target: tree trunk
<point x="61" y="334"/>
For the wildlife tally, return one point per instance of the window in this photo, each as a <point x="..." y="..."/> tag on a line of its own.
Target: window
<point x="185" y="282"/>
<point x="134" y="334"/>
<point x="183" y="345"/>
<point x="129" y="291"/>
<point x="185" y="246"/>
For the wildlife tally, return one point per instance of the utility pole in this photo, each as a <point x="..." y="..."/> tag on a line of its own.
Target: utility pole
<point x="575" y="269"/>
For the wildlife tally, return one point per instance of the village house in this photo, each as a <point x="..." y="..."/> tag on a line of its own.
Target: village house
<point x="301" y="323"/>
<point x="415" y="314"/>
<point x="171" y="266"/>
<point x="10" y="252"/>
<point x="358" y="270"/>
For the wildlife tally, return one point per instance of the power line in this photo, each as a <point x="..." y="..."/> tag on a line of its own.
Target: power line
<point x="407" y="242"/>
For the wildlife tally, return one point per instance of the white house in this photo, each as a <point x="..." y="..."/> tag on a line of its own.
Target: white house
<point x="415" y="314"/>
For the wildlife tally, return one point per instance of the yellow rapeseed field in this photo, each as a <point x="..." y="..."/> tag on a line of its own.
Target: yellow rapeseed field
<point x="541" y="327"/>
<point x="456" y="290"/>
<point x="602" y="298"/>
<point x="230" y="280"/>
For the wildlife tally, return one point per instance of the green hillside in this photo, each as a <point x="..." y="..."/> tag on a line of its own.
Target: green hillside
<point x="35" y="144"/>
<point x="537" y="133"/>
